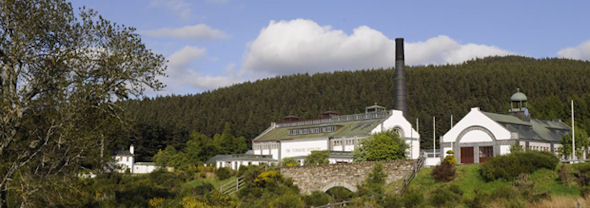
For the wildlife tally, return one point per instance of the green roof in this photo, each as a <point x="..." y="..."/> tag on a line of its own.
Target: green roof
<point x="346" y="129"/>
<point x="518" y="96"/>
<point x="503" y="118"/>
<point x="535" y="129"/>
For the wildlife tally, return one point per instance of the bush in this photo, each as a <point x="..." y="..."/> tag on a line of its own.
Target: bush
<point x="444" y="172"/>
<point x="316" y="198"/>
<point x="511" y="165"/>
<point x="287" y="201"/>
<point x="445" y="196"/>
<point x="223" y="173"/>
<point x="412" y="199"/>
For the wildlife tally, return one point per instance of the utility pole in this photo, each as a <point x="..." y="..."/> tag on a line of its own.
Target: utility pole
<point x="434" y="136"/>
<point x="573" y="134"/>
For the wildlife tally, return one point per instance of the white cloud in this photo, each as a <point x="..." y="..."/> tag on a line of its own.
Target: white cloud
<point x="298" y="46"/>
<point x="183" y="75"/>
<point x="580" y="52"/>
<point x="179" y="6"/>
<point x="444" y="50"/>
<point x="183" y="57"/>
<point x="194" y="32"/>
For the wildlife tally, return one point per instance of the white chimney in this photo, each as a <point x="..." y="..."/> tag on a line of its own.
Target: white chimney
<point x="131" y="149"/>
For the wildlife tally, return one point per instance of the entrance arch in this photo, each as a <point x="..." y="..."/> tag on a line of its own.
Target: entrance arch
<point x="339" y="184"/>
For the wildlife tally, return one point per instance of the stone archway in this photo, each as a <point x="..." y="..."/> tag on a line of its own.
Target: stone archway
<point x="339" y="184"/>
<point x="472" y="128"/>
<point x="457" y="146"/>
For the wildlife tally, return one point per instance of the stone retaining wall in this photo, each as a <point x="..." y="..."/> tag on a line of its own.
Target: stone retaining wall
<point x="348" y="175"/>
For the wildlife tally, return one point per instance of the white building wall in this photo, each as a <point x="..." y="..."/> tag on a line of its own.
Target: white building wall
<point x="141" y="168"/>
<point x="302" y="147"/>
<point x="397" y="120"/>
<point x="504" y="149"/>
<point x="476" y="136"/>
<point x="476" y="118"/>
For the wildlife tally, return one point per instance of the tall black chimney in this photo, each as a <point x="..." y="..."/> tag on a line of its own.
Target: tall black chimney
<point x="400" y="76"/>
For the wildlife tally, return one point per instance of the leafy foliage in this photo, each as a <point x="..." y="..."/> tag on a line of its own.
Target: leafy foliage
<point x="289" y="162"/>
<point x="444" y="172"/>
<point x="385" y="145"/>
<point x="512" y="165"/>
<point x="63" y="78"/>
<point x="450" y="89"/>
<point x="317" y="158"/>
<point x="582" y="142"/>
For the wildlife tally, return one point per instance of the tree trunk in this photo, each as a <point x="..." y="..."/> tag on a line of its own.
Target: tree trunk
<point x="3" y="194"/>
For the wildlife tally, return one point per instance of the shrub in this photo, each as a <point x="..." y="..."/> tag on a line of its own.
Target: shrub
<point x="444" y="172"/>
<point x="287" y="201"/>
<point x="445" y="196"/>
<point x="316" y="198"/>
<point x="511" y="165"/>
<point x="478" y="200"/>
<point x="412" y="199"/>
<point x="564" y="174"/>
<point x="223" y="173"/>
<point x="450" y="159"/>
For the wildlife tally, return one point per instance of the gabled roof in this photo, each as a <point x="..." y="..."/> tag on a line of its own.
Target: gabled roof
<point x="535" y="129"/>
<point x="345" y="129"/>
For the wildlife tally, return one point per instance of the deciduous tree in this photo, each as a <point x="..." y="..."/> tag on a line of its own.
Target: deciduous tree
<point x="62" y="76"/>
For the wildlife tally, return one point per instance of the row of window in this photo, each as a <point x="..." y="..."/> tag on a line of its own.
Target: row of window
<point x="539" y="148"/>
<point x="314" y="130"/>
<point x="265" y="146"/>
<point x="344" y="142"/>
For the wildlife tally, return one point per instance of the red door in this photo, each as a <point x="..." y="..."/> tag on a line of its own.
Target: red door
<point x="485" y="153"/>
<point x="466" y="155"/>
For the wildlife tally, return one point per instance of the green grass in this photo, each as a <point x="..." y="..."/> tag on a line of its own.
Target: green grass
<point x="214" y="181"/>
<point x="468" y="179"/>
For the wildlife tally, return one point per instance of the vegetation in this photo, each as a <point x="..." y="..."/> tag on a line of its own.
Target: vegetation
<point x="470" y="189"/>
<point x="450" y="90"/>
<point x="63" y="78"/>
<point x="444" y="172"/>
<point x="513" y="165"/>
<point x="582" y="142"/>
<point x="317" y="158"/>
<point x="385" y="145"/>
<point x="199" y="149"/>
<point x="289" y="162"/>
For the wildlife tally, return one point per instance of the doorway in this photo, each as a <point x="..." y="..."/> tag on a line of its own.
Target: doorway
<point x="467" y="155"/>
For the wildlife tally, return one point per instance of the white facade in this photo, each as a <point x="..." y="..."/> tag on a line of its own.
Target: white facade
<point x="300" y="147"/>
<point x="477" y="136"/>
<point x="404" y="128"/>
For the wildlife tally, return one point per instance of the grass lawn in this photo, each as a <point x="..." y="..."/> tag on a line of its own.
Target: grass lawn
<point x="214" y="181"/>
<point x="468" y="179"/>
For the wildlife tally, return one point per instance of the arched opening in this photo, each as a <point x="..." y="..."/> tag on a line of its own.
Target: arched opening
<point x="339" y="193"/>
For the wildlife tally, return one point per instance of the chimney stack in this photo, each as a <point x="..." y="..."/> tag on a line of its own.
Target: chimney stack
<point x="400" y="77"/>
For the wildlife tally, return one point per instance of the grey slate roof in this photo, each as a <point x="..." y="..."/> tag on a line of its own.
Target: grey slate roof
<point x="535" y="129"/>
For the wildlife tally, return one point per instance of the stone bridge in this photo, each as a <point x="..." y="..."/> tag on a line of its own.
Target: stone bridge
<point x="347" y="175"/>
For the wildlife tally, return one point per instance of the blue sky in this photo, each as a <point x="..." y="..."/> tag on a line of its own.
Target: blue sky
<point x="216" y="43"/>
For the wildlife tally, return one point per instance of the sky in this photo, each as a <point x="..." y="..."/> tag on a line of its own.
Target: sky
<point x="216" y="43"/>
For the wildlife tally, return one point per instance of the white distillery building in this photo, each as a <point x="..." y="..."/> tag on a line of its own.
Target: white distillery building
<point x="339" y="134"/>
<point x="481" y="135"/>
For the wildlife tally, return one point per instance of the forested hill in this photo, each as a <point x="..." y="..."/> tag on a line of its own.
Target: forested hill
<point x="432" y="91"/>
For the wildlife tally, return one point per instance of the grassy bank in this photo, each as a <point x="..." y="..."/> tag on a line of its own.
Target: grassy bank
<point x="542" y="185"/>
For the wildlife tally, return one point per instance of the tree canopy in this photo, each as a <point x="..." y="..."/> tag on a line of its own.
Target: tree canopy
<point x="439" y="91"/>
<point x="385" y="145"/>
<point x="62" y="79"/>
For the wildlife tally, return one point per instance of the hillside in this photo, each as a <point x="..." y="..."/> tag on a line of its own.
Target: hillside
<point x="432" y="91"/>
